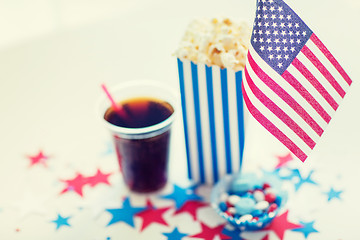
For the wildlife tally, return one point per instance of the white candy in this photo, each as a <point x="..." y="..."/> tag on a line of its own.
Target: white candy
<point x="259" y="196"/>
<point x="262" y="205"/>
<point x="232" y="210"/>
<point x="233" y="199"/>
<point x="247" y="217"/>
<point x="223" y="197"/>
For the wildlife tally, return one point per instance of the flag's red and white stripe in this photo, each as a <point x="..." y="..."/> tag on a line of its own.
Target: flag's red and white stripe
<point x="296" y="106"/>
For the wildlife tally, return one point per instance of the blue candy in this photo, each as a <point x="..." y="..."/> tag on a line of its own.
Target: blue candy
<point x="257" y="187"/>
<point x="248" y="195"/>
<point x="245" y="206"/>
<point x="237" y="216"/>
<point x="278" y="200"/>
<point x="241" y="185"/>
<point x="239" y="193"/>
<point x="223" y="206"/>
<point x="257" y="213"/>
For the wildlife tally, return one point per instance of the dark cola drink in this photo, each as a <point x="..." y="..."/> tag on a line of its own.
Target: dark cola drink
<point x="143" y="154"/>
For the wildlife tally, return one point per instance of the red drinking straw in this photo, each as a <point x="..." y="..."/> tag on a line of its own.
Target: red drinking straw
<point x="117" y="107"/>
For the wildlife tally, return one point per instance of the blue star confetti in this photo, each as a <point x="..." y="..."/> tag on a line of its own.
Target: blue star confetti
<point x="124" y="214"/>
<point x="334" y="194"/>
<point x="302" y="180"/>
<point x="275" y="172"/>
<point x="290" y="174"/>
<point x="234" y="234"/>
<point x="181" y="195"/>
<point x="61" y="221"/>
<point x="175" y="235"/>
<point x="308" y="227"/>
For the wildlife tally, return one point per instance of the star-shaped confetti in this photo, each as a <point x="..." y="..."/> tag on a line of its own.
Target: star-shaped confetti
<point x="79" y="181"/>
<point x="191" y="207"/>
<point x="175" y="235"/>
<point x="286" y="174"/>
<point x="152" y="215"/>
<point x="280" y="224"/>
<point x="76" y="184"/>
<point x="291" y="173"/>
<point x="308" y="227"/>
<point x="233" y="234"/>
<point x="181" y="195"/>
<point x="98" y="178"/>
<point x="283" y="160"/>
<point x="275" y="172"/>
<point x="266" y="237"/>
<point x="334" y="194"/>
<point x="61" y="221"/>
<point x="39" y="158"/>
<point x="208" y="233"/>
<point x="302" y="180"/>
<point x="125" y="214"/>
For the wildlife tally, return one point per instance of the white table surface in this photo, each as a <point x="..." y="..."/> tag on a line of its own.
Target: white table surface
<point x="49" y="87"/>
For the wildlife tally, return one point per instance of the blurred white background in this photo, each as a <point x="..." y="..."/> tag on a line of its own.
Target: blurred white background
<point x="55" y="53"/>
<point x="23" y="20"/>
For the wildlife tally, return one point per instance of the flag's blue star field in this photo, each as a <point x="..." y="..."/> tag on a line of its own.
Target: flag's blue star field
<point x="278" y="34"/>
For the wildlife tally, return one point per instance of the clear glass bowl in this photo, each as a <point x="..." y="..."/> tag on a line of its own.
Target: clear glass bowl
<point x="224" y="186"/>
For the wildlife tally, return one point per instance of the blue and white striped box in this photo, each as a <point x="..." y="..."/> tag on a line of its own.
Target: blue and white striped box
<point x="213" y="117"/>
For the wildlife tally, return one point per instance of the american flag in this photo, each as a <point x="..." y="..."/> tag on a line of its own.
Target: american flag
<point x="292" y="85"/>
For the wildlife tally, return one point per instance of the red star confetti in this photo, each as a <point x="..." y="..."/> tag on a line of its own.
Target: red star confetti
<point x="152" y="215"/>
<point x="266" y="237"/>
<point x="209" y="233"/>
<point x="283" y="160"/>
<point x="98" y="178"/>
<point x="191" y="207"/>
<point x="76" y="184"/>
<point x="39" y="158"/>
<point x="280" y="224"/>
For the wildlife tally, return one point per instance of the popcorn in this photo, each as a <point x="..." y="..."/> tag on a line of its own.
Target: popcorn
<point x="219" y="42"/>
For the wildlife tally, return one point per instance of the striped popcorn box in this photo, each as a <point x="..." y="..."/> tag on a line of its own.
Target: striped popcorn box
<point x="213" y="117"/>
